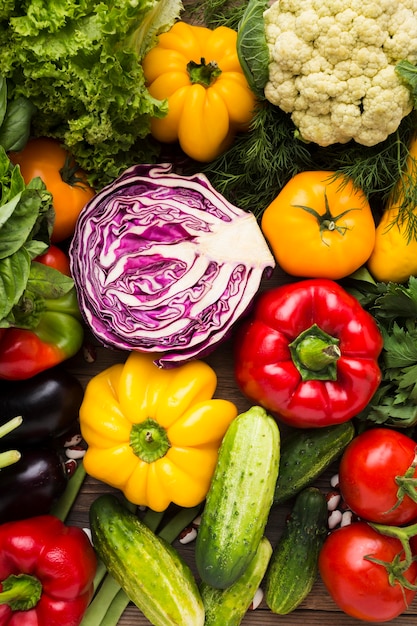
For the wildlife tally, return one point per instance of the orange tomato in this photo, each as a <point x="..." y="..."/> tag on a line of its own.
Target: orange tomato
<point x="319" y="226"/>
<point x="46" y="158"/>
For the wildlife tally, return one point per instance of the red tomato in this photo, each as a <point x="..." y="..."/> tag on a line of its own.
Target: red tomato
<point x="358" y="586"/>
<point x="370" y="470"/>
<point x="46" y="158"/>
<point x="56" y="258"/>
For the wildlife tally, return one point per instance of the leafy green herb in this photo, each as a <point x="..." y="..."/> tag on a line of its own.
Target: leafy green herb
<point x="258" y="164"/>
<point x="215" y="13"/>
<point x="394" y="306"/>
<point x="15" y="119"/>
<point x="26" y="219"/>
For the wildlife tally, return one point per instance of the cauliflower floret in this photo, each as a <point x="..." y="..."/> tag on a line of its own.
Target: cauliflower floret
<point x="333" y="67"/>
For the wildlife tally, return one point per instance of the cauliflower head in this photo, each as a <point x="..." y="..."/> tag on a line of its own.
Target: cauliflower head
<point x="332" y="66"/>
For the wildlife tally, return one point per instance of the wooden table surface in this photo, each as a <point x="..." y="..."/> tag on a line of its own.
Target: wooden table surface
<point x="318" y="608"/>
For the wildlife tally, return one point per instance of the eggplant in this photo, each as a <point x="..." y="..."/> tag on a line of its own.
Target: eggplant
<point x="49" y="404"/>
<point x="33" y="484"/>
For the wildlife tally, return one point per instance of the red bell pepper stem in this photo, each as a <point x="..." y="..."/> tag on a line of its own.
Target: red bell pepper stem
<point x="21" y="592"/>
<point x="315" y="354"/>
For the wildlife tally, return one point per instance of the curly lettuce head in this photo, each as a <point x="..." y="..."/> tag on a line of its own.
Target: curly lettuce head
<point x="79" y="63"/>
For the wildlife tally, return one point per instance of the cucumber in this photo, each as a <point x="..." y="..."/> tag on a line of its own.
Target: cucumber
<point x="229" y="606"/>
<point x="305" y="454"/>
<point x="293" y="565"/>
<point x="148" y="569"/>
<point x="239" y="498"/>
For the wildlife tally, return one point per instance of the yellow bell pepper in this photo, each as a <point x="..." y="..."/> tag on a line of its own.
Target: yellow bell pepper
<point x="394" y="257"/>
<point x="198" y="71"/>
<point x="154" y="433"/>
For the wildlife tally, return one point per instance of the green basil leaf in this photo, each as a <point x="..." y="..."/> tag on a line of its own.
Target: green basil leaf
<point x="15" y="129"/>
<point x="47" y="282"/>
<point x="18" y="227"/>
<point x="14" y="274"/>
<point x="27" y="313"/>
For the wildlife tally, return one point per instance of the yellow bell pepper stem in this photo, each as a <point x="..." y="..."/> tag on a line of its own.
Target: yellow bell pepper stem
<point x="203" y="73"/>
<point x="149" y="440"/>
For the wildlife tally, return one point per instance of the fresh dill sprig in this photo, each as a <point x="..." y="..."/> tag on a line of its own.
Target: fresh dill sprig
<point x="213" y="13"/>
<point x="375" y="169"/>
<point x="260" y="162"/>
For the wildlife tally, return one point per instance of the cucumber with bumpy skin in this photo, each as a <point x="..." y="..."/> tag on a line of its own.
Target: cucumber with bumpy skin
<point x="293" y="566"/>
<point x="148" y="569"/>
<point x="239" y="498"/>
<point x="229" y="606"/>
<point x="305" y="454"/>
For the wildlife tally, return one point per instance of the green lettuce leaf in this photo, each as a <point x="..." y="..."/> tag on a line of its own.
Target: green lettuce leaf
<point x="79" y="64"/>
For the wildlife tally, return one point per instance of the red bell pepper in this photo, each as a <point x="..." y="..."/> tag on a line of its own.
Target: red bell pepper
<point x="41" y="339"/>
<point x="309" y="354"/>
<point x="47" y="571"/>
<point x="58" y="336"/>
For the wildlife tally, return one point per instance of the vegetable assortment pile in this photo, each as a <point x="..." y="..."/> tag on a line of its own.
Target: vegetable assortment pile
<point x="172" y="192"/>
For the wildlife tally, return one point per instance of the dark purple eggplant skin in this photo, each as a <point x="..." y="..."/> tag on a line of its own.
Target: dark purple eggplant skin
<point x="49" y="404"/>
<point x="32" y="485"/>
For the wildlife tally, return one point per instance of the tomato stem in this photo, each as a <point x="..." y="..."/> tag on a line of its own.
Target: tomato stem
<point x="327" y="221"/>
<point x="69" y="173"/>
<point x="407" y="484"/>
<point x="399" y="565"/>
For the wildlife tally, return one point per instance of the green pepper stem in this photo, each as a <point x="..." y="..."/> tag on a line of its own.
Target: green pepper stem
<point x="315" y="354"/>
<point x="149" y="440"/>
<point x="21" y="592"/>
<point x="69" y="173"/>
<point x="203" y="73"/>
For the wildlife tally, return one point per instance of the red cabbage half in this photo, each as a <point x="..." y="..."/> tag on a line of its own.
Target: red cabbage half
<point x="165" y="264"/>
